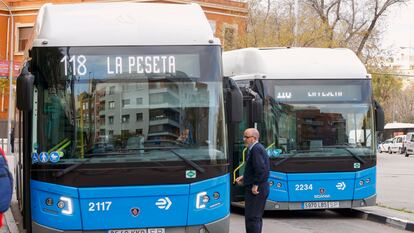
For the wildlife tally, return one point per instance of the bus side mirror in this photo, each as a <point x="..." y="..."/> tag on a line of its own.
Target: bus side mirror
<point x="234" y="101"/>
<point x="24" y="90"/>
<point x="379" y="117"/>
<point x="257" y="109"/>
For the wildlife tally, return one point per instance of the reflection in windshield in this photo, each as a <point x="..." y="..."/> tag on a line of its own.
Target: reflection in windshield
<point x="133" y="119"/>
<point x="105" y="116"/>
<point x="313" y="130"/>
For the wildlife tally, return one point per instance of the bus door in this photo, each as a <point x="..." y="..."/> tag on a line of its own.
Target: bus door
<point x="251" y="112"/>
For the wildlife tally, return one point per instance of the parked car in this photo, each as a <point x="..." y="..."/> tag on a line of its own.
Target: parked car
<point x="409" y="144"/>
<point x="397" y="145"/>
<point x="385" y="146"/>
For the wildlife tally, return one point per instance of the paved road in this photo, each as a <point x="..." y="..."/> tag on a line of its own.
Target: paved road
<point x="395" y="181"/>
<point x="311" y="222"/>
<point x="395" y="187"/>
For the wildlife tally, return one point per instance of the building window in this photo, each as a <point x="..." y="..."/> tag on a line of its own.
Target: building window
<point x="229" y="35"/>
<point x="213" y="25"/>
<point x="138" y="131"/>
<point x="139" y="86"/>
<point x="23" y="32"/>
<point x="125" y="102"/>
<point x="111" y="133"/>
<point x="112" y="90"/>
<point x="139" y="116"/>
<point x="102" y="120"/>
<point x="139" y="101"/>
<point x="124" y="133"/>
<point x="125" y="118"/>
<point x="111" y="120"/>
<point x="111" y="104"/>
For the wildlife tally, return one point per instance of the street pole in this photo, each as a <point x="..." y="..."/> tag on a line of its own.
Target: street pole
<point x="11" y="67"/>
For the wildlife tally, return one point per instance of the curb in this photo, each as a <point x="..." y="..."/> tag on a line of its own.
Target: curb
<point x="10" y="222"/>
<point x="391" y="221"/>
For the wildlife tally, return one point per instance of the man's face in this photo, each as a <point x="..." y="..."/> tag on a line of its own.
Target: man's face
<point x="248" y="138"/>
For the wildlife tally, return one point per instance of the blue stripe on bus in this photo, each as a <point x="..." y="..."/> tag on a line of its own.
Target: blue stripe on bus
<point x="368" y="189"/>
<point x="51" y="215"/>
<point x="214" y="209"/>
<point x="104" y="208"/>
<point x="279" y="189"/>
<point x="299" y="187"/>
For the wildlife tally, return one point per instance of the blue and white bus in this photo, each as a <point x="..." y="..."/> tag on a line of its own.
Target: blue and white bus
<point x="315" y="112"/>
<point x="123" y="121"/>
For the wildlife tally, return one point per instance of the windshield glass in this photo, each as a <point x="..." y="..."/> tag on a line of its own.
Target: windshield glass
<point x="134" y="104"/>
<point x="314" y="118"/>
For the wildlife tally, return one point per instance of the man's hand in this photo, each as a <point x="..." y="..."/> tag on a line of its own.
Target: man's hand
<point x="239" y="180"/>
<point x="255" y="189"/>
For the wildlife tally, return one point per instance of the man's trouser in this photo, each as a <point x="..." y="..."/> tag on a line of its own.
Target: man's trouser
<point x="254" y="207"/>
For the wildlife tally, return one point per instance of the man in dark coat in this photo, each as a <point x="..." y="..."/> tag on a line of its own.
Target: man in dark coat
<point x="254" y="180"/>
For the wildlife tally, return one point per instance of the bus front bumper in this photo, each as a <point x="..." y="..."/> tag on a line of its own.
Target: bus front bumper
<point x="348" y="204"/>
<point x="219" y="226"/>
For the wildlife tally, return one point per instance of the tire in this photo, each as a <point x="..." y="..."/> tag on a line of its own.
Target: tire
<point x="389" y="150"/>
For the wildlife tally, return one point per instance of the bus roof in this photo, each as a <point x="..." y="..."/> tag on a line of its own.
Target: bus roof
<point x="116" y="24"/>
<point x="294" y="63"/>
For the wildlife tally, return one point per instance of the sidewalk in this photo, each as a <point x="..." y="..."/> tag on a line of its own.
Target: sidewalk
<point x="10" y="225"/>
<point x="395" y="218"/>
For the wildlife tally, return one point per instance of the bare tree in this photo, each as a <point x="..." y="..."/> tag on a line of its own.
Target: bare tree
<point x="333" y="12"/>
<point x="355" y="24"/>
<point x="402" y="105"/>
<point x="329" y="14"/>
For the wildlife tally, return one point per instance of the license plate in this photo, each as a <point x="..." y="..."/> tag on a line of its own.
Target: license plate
<point x="321" y="205"/>
<point x="143" y="230"/>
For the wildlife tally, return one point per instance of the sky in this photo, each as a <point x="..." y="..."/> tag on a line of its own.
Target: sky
<point x="400" y="26"/>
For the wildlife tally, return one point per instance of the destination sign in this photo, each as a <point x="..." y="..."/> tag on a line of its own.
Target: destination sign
<point x="141" y="64"/>
<point x="83" y="65"/>
<point x="318" y="93"/>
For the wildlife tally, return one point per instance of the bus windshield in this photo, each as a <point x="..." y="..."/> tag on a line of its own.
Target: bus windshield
<point x="318" y="118"/>
<point x="129" y="104"/>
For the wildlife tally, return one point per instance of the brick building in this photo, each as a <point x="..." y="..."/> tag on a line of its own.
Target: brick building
<point x="227" y="19"/>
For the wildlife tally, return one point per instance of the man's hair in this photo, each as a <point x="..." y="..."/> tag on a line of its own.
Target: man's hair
<point x="255" y="133"/>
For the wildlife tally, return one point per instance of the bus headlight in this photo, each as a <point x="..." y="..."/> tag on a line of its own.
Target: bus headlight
<point x="49" y="201"/>
<point x="201" y="199"/>
<point x="216" y="195"/>
<point x="66" y="205"/>
<point x="206" y="199"/>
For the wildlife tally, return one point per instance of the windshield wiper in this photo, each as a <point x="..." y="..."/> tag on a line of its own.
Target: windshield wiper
<point x="89" y="155"/>
<point x="155" y="148"/>
<point x="70" y="168"/>
<point x="349" y="151"/>
<point x="293" y="155"/>
<point x="189" y="162"/>
<point x="285" y="159"/>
